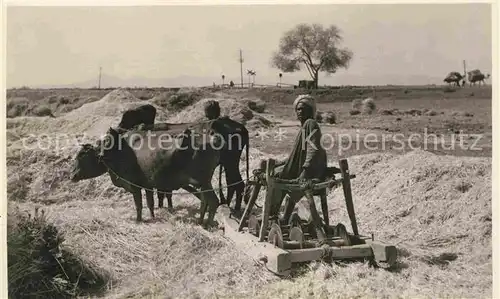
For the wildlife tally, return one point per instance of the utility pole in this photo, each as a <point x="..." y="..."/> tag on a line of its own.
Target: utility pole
<point x="465" y="73"/>
<point x="241" y="68"/>
<point x="99" y="84"/>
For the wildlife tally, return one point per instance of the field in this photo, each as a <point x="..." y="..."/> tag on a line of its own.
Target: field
<point x="422" y="157"/>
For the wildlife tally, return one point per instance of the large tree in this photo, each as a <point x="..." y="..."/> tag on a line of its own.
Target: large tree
<point x="314" y="46"/>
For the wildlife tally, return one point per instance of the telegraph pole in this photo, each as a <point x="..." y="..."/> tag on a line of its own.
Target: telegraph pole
<point x="465" y="73"/>
<point x="99" y="84"/>
<point x="241" y="68"/>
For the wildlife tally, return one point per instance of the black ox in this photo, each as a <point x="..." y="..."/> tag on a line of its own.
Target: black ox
<point x="235" y="135"/>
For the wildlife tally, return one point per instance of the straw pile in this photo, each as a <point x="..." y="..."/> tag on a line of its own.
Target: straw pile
<point x="435" y="209"/>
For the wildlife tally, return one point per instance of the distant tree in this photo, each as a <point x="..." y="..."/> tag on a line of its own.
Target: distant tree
<point x="281" y="75"/>
<point x="314" y="46"/>
<point x="223" y="77"/>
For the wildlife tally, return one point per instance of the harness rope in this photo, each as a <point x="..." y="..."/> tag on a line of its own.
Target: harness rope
<point x="170" y="193"/>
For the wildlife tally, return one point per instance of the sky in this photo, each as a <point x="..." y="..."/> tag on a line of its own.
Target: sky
<point x="195" y="45"/>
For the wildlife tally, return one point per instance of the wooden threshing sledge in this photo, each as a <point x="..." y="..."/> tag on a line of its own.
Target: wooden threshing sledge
<point x="280" y="245"/>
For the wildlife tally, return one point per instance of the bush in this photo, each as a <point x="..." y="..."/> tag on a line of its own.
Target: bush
<point x="18" y="187"/>
<point x="327" y="117"/>
<point x="356" y="104"/>
<point x="64" y="101"/>
<point x="17" y="106"/>
<point x="246" y="113"/>
<point x="258" y="106"/>
<point x="38" y="267"/>
<point x="430" y="113"/>
<point x="175" y="101"/>
<point x="330" y="117"/>
<point x="414" y="112"/>
<point x="42" y="111"/>
<point x="368" y="106"/>
<point x="319" y="117"/>
<point x="181" y="100"/>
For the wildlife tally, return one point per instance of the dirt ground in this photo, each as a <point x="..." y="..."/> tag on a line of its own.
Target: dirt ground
<point x="422" y="161"/>
<point x="458" y="124"/>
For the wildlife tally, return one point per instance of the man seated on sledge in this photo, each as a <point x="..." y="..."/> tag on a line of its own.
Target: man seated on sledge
<point x="307" y="159"/>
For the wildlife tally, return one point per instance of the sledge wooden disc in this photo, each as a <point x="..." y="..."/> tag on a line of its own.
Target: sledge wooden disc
<point x="294" y="220"/>
<point x="275" y="236"/>
<point x="296" y="234"/>
<point x="341" y="231"/>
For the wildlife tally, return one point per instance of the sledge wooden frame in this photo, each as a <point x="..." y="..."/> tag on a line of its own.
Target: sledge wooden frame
<point x="280" y="260"/>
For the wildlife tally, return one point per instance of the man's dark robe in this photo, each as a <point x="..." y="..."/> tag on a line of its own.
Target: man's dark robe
<point x="307" y="152"/>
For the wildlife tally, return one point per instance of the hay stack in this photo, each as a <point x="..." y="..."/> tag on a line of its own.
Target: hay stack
<point x="368" y="106"/>
<point x="428" y="204"/>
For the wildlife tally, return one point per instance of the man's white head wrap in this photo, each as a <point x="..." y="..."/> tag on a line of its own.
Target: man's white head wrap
<point x="306" y="99"/>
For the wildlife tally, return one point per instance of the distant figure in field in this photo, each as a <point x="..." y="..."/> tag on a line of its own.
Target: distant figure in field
<point x="231" y="83"/>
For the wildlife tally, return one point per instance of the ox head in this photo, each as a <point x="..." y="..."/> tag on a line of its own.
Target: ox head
<point x="86" y="164"/>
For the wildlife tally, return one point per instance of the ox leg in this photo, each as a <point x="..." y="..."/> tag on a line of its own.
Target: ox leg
<point x="138" y="204"/>
<point x="169" y="200"/>
<point x="240" y="190"/>
<point x="212" y="202"/>
<point x="221" y="191"/>
<point x="151" y="202"/>
<point x="203" y="208"/>
<point x="235" y="185"/>
<point x="161" y="196"/>
<point x="230" y="193"/>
